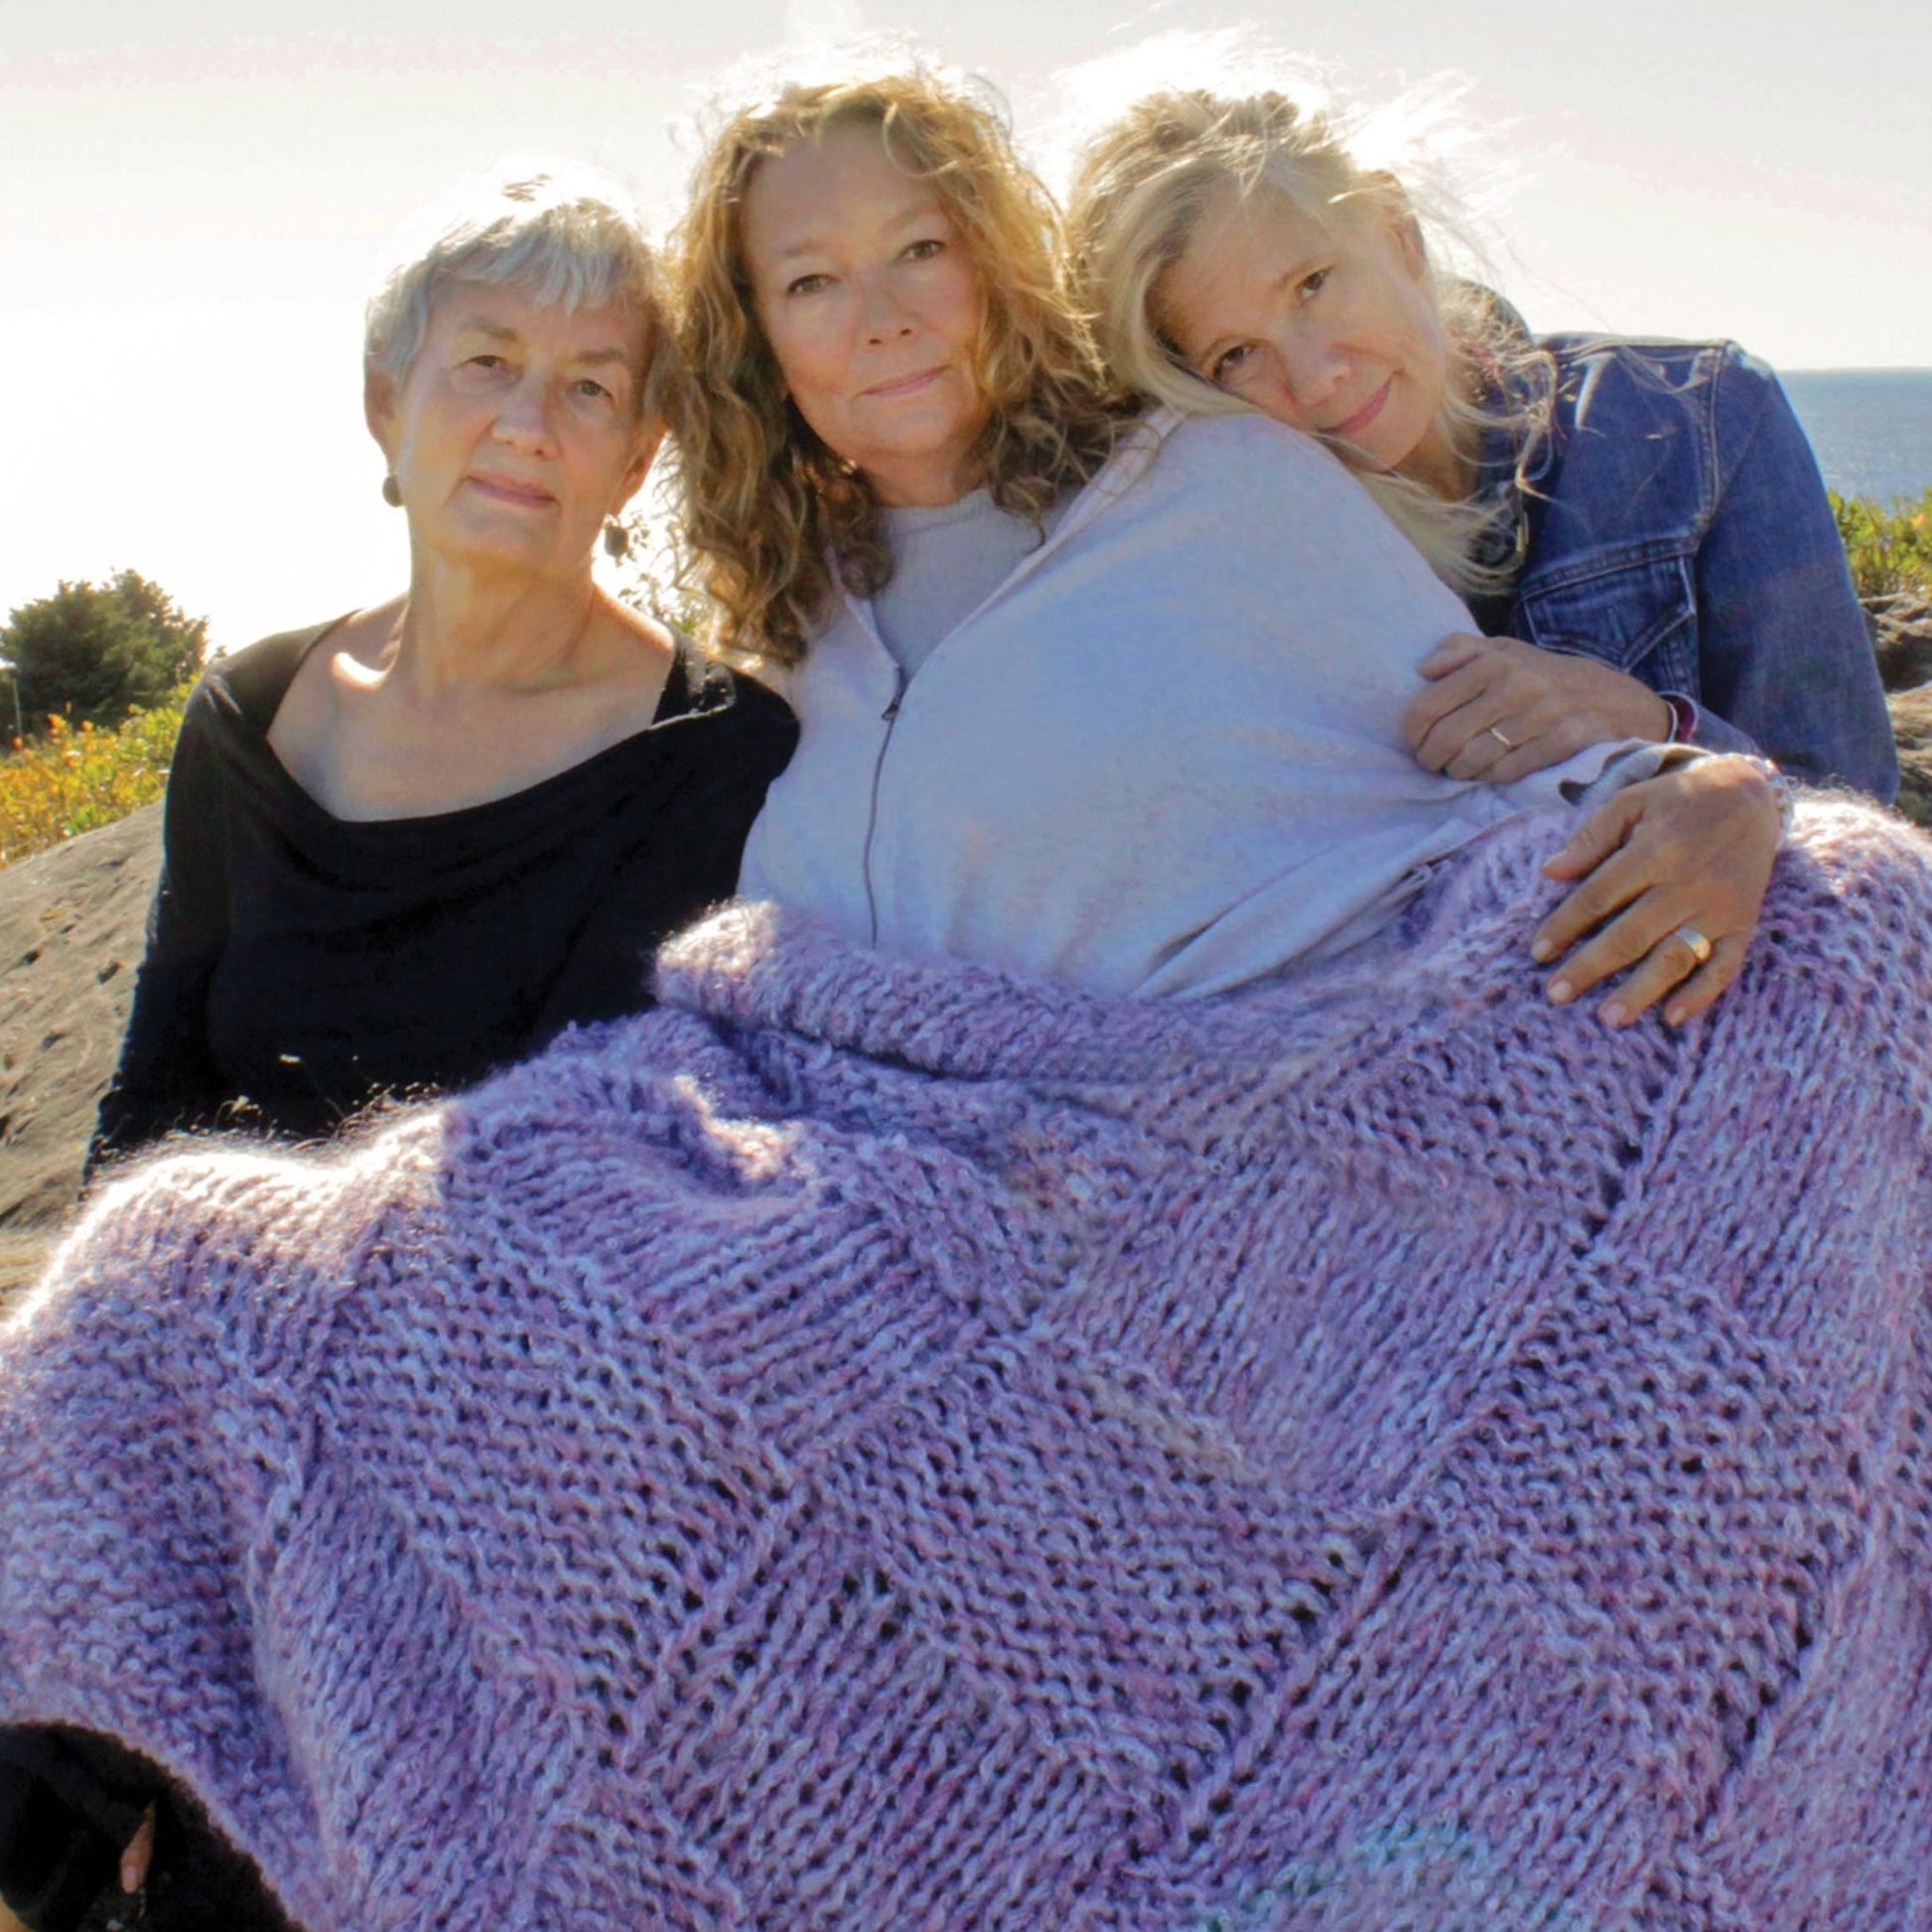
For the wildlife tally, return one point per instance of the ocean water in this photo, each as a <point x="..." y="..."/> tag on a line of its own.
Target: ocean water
<point x="1870" y="429"/>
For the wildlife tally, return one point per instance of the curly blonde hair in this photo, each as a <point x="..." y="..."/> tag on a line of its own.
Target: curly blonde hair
<point x="767" y="509"/>
<point x="1144" y="184"/>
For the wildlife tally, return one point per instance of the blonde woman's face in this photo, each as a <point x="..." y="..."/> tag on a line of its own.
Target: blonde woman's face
<point x="1326" y="325"/>
<point x="873" y="311"/>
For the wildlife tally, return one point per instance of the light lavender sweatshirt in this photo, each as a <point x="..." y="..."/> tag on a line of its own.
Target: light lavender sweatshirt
<point x="1163" y="756"/>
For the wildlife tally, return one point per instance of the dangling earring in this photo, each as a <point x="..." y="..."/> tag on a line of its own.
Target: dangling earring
<point x="392" y="492"/>
<point x="617" y="539"/>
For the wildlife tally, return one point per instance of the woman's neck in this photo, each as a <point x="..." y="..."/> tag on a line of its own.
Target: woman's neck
<point x="927" y="484"/>
<point x="1440" y="465"/>
<point x="463" y="627"/>
<point x="436" y="702"/>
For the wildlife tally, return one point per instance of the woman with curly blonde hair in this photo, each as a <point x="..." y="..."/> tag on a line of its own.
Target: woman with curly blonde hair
<point x="769" y="499"/>
<point x="1640" y="524"/>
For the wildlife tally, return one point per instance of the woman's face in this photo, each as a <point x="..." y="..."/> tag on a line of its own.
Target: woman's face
<point x="1326" y="325"/>
<point x="515" y="433"/>
<point x="872" y="309"/>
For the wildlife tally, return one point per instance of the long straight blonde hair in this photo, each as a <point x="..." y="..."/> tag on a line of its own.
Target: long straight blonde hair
<point x="1144" y="184"/>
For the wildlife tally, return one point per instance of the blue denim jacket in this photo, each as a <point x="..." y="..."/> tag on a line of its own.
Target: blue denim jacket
<point x="1674" y="524"/>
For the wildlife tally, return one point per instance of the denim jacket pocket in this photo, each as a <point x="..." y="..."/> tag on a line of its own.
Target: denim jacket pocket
<point x="1634" y="608"/>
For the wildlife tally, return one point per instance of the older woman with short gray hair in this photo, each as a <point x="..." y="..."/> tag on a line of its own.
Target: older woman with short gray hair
<point x="414" y="842"/>
<point x="417" y="841"/>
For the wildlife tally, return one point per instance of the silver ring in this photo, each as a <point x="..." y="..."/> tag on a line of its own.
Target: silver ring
<point x="1508" y="744"/>
<point x="1699" y="947"/>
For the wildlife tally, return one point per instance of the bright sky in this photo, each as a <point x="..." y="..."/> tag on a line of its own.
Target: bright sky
<point x="192" y="206"/>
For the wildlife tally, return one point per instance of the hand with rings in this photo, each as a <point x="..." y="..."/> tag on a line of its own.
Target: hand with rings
<point x="1671" y="875"/>
<point x="1498" y="709"/>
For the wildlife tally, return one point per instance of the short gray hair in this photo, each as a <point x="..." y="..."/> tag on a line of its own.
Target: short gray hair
<point x="561" y="230"/>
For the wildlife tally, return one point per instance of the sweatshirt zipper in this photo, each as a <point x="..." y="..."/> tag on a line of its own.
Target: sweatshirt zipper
<point x="889" y="718"/>
<point x="1120" y="471"/>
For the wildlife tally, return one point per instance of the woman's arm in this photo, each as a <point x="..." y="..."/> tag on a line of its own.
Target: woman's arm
<point x="1784" y="656"/>
<point x="167" y="1076"/>
<point x="1785" y="665"/>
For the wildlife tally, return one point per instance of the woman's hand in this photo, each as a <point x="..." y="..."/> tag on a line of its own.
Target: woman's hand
<point x="1497" y="708"/>
<point x="1673" y="872"/>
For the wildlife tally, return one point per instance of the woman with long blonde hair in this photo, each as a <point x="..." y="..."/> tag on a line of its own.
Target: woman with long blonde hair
<point x="1640" y="524"/>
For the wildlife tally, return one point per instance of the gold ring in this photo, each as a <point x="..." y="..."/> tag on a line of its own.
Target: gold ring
<point x="1699" y="947"/>
<point x="1508" y="744"/>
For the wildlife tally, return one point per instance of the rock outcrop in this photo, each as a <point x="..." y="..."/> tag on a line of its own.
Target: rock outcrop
<point x="73" y="923"/>
<point x="1911" y="719"/>
<point x="1900" y="623"/>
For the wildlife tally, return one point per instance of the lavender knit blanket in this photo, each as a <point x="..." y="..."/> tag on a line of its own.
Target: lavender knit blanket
<point x="874" y="1446"/>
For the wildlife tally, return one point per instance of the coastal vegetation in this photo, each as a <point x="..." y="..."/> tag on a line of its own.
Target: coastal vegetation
<point x="66" y="773"/>
<point x="76" y="777"/>
<point x="1889" y="548"/>
<point x="92" y="654"/>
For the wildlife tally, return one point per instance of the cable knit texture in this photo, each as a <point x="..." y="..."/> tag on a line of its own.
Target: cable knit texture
<point x="875" y="1445"/>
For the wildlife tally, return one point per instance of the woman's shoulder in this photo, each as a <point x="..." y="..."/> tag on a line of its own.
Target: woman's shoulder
<point x="1236" y="509"/>
<point x="1660" y="371"/>
<point x="1629" y="407"/>
<point x="1223" y="433"/>
<point x="1269" y="493"/>
<point x="707" y="686"/>
<point x="222" y="749"/>
<point x="246" y="686"/>
<point x="1225" y="455"/>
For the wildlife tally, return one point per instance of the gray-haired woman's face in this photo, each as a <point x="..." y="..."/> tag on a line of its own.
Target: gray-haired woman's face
<point x="515" y="433"/>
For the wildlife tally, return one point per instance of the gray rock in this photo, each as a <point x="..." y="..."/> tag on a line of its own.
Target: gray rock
<point x="1900" y="623"/>
<point x="1911" y="720"/>
<point x="72" y="930"/>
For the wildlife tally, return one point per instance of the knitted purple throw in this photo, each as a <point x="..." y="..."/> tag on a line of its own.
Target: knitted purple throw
<point x="873" y="1446"/>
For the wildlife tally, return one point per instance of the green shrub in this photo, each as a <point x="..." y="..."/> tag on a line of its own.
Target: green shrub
<point x="93" y="653"/>
<point x="77" y="779"/>
<point x="1889" y="549"/>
